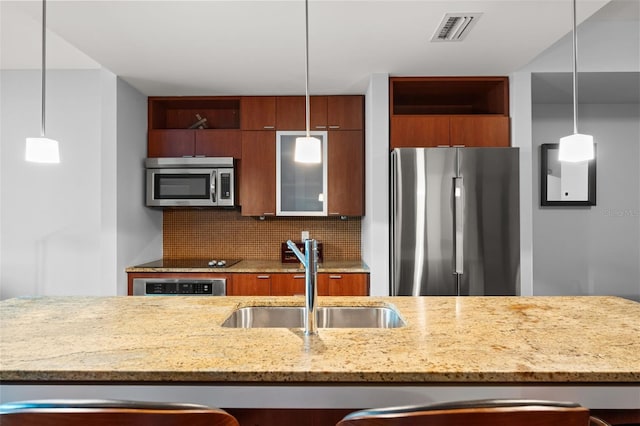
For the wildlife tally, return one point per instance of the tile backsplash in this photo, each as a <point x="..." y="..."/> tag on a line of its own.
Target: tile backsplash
<point x="226" y="234"/>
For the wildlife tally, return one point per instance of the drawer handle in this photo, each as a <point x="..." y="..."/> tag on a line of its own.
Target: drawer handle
<point x="268" y="127"/>
<point x="335" y="277"/>
<point x="298" y="277"/>
<point x="334" y="127"/>
<point x="264" y="277"/>
<point x="321" y="127"/>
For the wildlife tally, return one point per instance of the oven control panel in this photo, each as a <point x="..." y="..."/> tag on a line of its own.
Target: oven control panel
<point x="179" y="287"/>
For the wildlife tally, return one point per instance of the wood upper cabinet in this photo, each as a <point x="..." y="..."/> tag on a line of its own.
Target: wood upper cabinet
<point x="326" y="112"/>
<point x="258" y="173"/>
<point x="479" y="131"/>
<point x="170" y="122"/>
<point x="250" y="285"/>
<point x="345" y="170"/>
<point x="345" y="112"/>
<point x="171" y="143"/>
<point x="290" y="113"/>
<point x="218" y="143"/>
<point x="419" y="131"/>
<point x="449" y="111"/>
<point x="258" y="113"/>
<point x="337" y="284"/>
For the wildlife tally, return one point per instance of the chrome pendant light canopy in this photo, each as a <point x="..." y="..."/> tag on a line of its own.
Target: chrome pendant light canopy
<point x="576" y="147"/>
<point x="308" y="149"/>
<point x="42" y="149"/>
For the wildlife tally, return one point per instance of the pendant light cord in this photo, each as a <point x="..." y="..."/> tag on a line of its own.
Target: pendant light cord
<point x="44" y="59"/>
<point x="575" y="72"/>
<point x="306" y="68"/>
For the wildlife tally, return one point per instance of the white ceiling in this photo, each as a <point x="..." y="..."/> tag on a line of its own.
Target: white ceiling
<point x="240" y="47"/>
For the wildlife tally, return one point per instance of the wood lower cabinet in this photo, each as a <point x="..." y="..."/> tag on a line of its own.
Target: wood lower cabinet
<point x="287" y="284"/>
<point x="258" y="173"/>
<point x="345" y="171"/>
<point x="250" y="285"/>
<point x="277" y="284"/>
<point x="337" y="284"/>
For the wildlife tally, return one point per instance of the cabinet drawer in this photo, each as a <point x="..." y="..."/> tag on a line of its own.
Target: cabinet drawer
<point x="250" y="285"/>
<point x="287" y="284"/>
<point x="337" y="284"/>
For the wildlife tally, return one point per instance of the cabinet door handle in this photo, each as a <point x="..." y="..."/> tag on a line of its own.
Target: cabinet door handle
<point x="264" y="277"/>
<point x="269" y="127"/>
<point x="335" y="277"/>
<point x="334" y="127"/>
<point x="298" y="277"/>
<point x="321" y="127"/>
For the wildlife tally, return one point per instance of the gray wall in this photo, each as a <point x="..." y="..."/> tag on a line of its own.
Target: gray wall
<point x="50" y="228"/>
<point x="72" y="228"/>
<point x="139" y="228"/>
<point x="591" y="250"/>
<point x="609" y="41"/>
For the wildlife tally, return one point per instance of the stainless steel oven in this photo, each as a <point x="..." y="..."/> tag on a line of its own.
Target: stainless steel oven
<point x="179" y="287"/>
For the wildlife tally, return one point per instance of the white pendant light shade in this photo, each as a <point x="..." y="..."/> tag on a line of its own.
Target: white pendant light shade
<point x="576" y="148"/>
<point x="308" y="150"/>
<point x="42" y="150"/>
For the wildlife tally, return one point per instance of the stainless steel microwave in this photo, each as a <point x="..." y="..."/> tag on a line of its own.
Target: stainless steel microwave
<point x="190" y="182"/>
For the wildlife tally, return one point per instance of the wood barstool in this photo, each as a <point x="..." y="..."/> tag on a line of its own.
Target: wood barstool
<point x="67" y="412"/>
<point x="507" y="412"/>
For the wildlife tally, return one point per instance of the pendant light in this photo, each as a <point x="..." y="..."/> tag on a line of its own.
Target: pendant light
<point x="576" y="147"/>
<point x="308" y="149"/>
<point x="43" y="149"/>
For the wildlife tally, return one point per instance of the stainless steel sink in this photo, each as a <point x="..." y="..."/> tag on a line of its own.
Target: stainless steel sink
<point x="328" y="317"/>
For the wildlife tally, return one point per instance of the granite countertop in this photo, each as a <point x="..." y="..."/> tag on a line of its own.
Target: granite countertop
<point x="248" y="266"/>
<point x="447" y="340"/>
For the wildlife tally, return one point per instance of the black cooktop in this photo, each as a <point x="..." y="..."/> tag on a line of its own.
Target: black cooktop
<point x="217" y="263"/>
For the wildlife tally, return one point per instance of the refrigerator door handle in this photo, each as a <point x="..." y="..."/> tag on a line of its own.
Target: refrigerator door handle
<point x="458" y="197"/>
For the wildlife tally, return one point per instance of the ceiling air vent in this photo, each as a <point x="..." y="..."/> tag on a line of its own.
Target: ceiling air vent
<point x="455" y="26"/>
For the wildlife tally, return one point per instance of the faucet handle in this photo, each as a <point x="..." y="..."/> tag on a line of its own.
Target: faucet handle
<point x="297" y="252"/>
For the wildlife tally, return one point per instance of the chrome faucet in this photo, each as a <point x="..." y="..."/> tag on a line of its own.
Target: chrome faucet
<point x="310" y="262"/>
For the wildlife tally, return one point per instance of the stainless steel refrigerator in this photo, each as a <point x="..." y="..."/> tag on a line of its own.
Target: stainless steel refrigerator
<point x="455" y="221"/>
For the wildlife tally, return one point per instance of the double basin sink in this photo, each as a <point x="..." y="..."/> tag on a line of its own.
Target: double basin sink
<point x="328" y="317"/>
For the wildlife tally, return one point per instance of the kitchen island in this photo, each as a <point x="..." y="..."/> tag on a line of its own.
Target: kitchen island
<point x="585" y="349"/>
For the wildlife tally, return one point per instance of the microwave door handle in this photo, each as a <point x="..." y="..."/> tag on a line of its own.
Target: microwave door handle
<point x="214" y="178"/>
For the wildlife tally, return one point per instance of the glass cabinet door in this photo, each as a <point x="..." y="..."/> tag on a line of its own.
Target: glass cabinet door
<point x="300" y="187"/>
